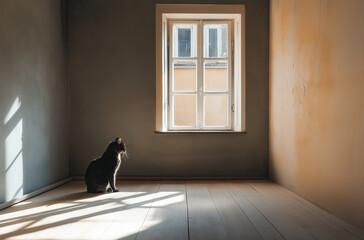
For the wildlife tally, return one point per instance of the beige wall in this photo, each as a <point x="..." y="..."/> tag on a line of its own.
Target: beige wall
<point x="316" y="102"/>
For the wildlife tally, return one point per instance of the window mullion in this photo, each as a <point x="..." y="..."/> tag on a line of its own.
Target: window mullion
<point x="170" y="61"/>
<point x="230" y="77"/>
<point x="200" y="108"/>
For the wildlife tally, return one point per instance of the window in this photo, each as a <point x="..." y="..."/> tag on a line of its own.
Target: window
<point x="200" y="80"/>
<point x="199" y="75"/>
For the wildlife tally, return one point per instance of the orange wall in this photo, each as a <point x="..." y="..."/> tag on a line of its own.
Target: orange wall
<point x="317" y="102"/>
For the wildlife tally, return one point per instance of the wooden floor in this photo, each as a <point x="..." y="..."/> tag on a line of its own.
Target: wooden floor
<point x="205" y="210"/>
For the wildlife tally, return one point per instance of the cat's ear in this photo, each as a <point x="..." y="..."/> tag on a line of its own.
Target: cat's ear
<point x="118" y="140"/>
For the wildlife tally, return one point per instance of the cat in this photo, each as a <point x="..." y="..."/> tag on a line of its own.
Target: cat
<point x="100" y="174"/>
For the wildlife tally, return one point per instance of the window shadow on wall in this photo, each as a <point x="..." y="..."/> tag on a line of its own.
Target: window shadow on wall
<point x="11" y="161"/>
<point x="33" y="96"/>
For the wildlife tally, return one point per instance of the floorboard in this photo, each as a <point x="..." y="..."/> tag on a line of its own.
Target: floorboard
<point x="167" y="216"/>
<point x="236" y="223"/>
<point x="262" y="224"/>
<point x="204" y="220"/>
<point x="129" y="221"/>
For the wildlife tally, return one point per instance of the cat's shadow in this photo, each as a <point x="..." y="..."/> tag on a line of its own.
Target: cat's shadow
<point x="73" y="197"/>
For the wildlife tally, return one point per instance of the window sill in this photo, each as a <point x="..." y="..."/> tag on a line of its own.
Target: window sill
<point x="200" y="132"/>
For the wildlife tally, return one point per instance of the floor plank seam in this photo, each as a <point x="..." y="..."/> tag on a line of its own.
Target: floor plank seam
<point x="231" y="195"/>
<point x="263" y="214"/>
<point x="283" y="198"/>
<point x="218" y="212"/>
<point x="107" y="228"/>
<point x="188" y="216"/>
<point x="146" y="215"/>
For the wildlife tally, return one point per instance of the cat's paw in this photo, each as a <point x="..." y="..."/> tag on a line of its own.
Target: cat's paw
<point x="115" y="190"/>
<point x="109" y="190"/>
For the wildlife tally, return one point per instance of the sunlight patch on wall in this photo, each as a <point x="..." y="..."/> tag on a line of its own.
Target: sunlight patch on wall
<point x="13" y="156"/>
<point x="13" y="109"/>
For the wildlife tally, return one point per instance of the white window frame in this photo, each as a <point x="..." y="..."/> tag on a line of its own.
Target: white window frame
<point x="215" y="13"/>
<point x="200" y="59"/>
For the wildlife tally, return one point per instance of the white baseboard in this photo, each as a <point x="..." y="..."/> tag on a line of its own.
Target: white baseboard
<point x="35" y="193"/>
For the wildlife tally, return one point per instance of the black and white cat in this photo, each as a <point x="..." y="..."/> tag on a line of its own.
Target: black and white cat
<point x="101" y="173"/>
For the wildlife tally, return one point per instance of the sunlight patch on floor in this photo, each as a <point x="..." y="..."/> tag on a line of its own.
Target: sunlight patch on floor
<point x="125" y="229"/>
<point x="78" y="214"/>
<point x="31" y="213"/>
<point x="166" y="199"/>
<point x="139" y="199"/>
<point x="8" y="228"/>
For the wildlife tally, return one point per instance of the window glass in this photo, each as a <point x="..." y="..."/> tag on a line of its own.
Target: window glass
<point x="212" y="42"/>
<point x="184" y="40"/>
<point x="184" y="110"/>
<point x="216" y="76"/>
<point x="215" y="41"/>
<point x="216" y="110"/>
<point x="184" y="76"/>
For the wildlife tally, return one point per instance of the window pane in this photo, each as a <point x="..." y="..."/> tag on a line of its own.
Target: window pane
<point x="215" y="40"/>
<point x="184" y="107"/>
<point x="184" y="40"/>
<point x="216" y="110"/>
<point x="216" y="76"/>
<point x="184" y="76"/>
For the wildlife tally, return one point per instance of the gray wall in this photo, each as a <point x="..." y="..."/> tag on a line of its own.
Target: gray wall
<point x="33" y="74"/>
<point x="112" y="76"/>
